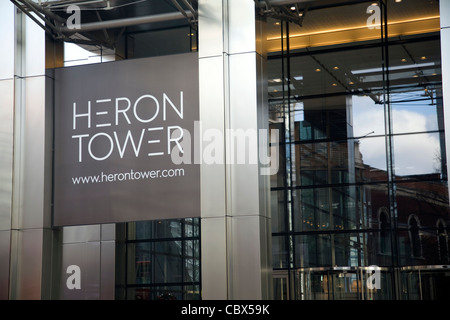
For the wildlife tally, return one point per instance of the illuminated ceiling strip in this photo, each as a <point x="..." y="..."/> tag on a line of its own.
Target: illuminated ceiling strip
<point x="353" y="28"/>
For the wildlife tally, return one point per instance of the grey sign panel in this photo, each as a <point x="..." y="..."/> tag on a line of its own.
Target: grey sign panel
<point x="117" y="126"/>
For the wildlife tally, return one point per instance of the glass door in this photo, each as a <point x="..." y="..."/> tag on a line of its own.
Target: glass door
<point x="281" y="285"/>
<point x="344" y="283"/>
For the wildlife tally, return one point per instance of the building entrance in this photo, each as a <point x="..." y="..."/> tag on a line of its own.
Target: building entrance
<point x="355" y="90"/>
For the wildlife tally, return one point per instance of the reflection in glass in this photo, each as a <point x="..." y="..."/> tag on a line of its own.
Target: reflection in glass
<point x="278" y="214"/>
<point x="280" y="254"/>
<point x="368" y="117"/>
<point x="417" y="112"/>
<point x="163" y="259"/>
<point x="418" y="154"/>
<point x="442" y="241"/>
<point x="365" y="151"/>
<point x="371" y="153"/>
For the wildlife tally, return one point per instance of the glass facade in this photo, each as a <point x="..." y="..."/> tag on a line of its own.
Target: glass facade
<point x="363" y="185"/>
<point x="159" y="260"/>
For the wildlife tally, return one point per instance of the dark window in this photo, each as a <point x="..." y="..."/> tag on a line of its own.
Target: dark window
<point x="160" y="260"/>
<point x="385" y="232"/>
<point x="442" y="242"/>
<point x="414" y="236"/>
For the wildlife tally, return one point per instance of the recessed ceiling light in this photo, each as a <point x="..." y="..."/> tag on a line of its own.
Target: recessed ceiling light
<point x="293" y="8"/>
<point x="351" y="82"/>
<point x="403" y="60"/>
<point x="317" y="70"/>
<point x="398" y="0"/>
<point x="334" y="85"/>
<point x="423" y="58"/>
<point x="336" y="68"/>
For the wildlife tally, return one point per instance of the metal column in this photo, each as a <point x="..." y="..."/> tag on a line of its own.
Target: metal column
<point x="444" y="8"/>
<point x="6" y="140"/>
<point x="25" y="215"/>
<point x="236" y="236"/>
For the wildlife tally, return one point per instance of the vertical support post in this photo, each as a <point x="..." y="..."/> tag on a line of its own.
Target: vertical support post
<point x="444" y="8"/>
<point x="6" y="140"/>
<point x="25" y="177"/>
<point x="235" y="213"/>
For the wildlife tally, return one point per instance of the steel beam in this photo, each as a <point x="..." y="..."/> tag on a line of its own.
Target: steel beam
<point x="119" y="23"/>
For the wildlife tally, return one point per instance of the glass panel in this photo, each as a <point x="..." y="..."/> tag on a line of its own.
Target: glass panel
<point x="280" y="253"/>
<point x="375" y="284"/>
<point x="278" y="211"/>
<point x="191" y="227"/>
<point x="345" y="118"/>
<point x="324" y="118"/>
<point x="313" y="251"/>
<point x="425" y="283"/>
<point x="411" y="285"/>
<point x="155" y="293"/>
<point x="314" y="208"/>
<point x="340" y="208"/>
<point x="340" y="162"/>
<point x="162" y="264"/>
<point x="191" y="261"/>
<point x="418" y="154"/>
<point x="427" y="199"/>
<point x="279" y="179"/>
<point x="315" y="286"/>
<point x="155" y="229"/>
<point x="341" y="283"/>
<point x="416" y="111"/>
<point x="372" y="156"/>
<point x="181" y="40"/>
<point x="368" y="116"/>
<point x="280" y="288"/>
<point x="155" y="262"/>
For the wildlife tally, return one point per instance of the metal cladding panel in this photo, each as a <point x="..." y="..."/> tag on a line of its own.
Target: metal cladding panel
<point x="34" y="139"/>
<point x="6" y="151"/>
<point x="7" y="40"/>
<point x="5" y="242"/>
<point x="445" y="65"/>
<point x="211" y="28"/>
<point x="122" y="133"/>
<point x="26" y="264"/>
<point x="212" y="115"/>
<point x="85" y="256"/>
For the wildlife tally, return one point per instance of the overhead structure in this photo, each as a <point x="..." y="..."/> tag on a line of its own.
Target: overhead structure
<point x="102" y="22"/>
<point x="284" y="10"/>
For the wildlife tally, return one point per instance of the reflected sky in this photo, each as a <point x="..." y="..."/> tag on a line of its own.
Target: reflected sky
<point x="413" y="154"/>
